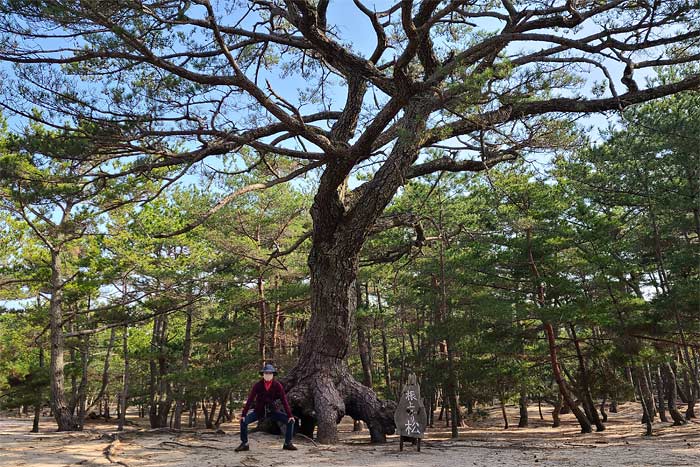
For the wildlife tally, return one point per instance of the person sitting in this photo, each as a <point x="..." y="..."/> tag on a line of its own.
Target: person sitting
<point x="263" y="394"/>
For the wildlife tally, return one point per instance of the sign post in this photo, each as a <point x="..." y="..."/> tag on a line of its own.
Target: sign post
<point x="410" y="416"/>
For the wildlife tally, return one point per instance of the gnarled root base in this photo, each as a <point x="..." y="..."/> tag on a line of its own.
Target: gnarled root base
<point x="321" y="398"/>
<point x="66" y="421"/>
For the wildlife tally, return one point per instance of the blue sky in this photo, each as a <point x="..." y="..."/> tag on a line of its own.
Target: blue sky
<point x="355" y="29"/>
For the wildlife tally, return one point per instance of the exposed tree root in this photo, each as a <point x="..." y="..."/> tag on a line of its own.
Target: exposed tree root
<point x="206" y="446"/>
<point x="111" y="450"/>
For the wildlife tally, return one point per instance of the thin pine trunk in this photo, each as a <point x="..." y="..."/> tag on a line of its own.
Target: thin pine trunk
<point x="124" y="396"/>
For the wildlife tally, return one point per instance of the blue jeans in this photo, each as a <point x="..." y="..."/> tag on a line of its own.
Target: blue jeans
<point x="276" y="416"/>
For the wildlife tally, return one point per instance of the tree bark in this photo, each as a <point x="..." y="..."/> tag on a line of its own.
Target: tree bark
<point x="556" y="420"/>
<point x="39" y="402"/>
<point x="124" y="396"/>
<point x="671" y="394"/>
<point x="262" y="309"/>
<point x="105" y="373"/>
<point x="503" y="410"/>
<point x="603" y="413"/>
<point x="588" y="403"/>
<point x="160" y="395"/>
<point x="549" y="330"/>
<point x="275" y="325"/>
<point x="64" y="418"/>
<point x="187" y="345"/>
<point x="644" y="392"/>
<point x="566" y="395"/>
<point x="691" y="396"/>
<point x="364" y="344"/>
<point x="522" y="403"/>
<point x="660" y="387"/>
<point x="320" y="388"/>
<point x="192" y="417"/>
<point x="385" y="344"/>
<point x="82" y="388"/>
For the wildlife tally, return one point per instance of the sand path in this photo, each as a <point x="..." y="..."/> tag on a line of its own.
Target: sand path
<point x="484" y="443"/>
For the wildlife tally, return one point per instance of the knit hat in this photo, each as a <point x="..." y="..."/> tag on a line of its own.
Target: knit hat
<point x="268" y="368"/>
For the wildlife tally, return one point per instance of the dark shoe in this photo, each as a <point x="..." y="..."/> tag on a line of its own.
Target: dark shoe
<point x="289" y="447"/>
<point x="242" y="447"/>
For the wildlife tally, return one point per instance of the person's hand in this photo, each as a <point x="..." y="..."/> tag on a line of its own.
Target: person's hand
<point x="291" y="419"/>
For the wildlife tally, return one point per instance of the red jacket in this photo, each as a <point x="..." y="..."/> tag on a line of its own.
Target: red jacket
<point x="263" y="398"/>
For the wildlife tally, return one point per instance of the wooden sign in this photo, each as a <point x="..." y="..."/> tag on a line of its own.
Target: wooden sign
<point x="410" y="416"/>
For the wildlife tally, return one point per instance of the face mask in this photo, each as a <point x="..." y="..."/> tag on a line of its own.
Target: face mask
<point x="268" y="376"/>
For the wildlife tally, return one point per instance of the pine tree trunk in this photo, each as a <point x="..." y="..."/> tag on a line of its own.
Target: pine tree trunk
<point x="690" y="395"/>
<point x="658" y="381"/>
<point x="106" y="412"/>
<point x="207" y="417"/>
<point x="320" y="388"/>
<point x="223" y="415"/>
<point x="82" y="388"/>
<point x="694" y="390"/>
<point x="587" y="399"/>
<point x="192" y="416"/>
<point x="187" y="345"/>
<point x="549" y="330"/>
<point x="502" y="400"/>
<point x="62" y="414"/>
<point x="365" y="350"/>
<point x="99" y="398"/>
<point x="563" y="389"/>
<point x="671" y="394"/>
<point x="160" y="399"/>
<point x="647" y="407"/>
<point x="39" y="400"/>
<point x="385" y="344"/>
<point x="364" y="346"/>
<point x="603" y="413"/>
<point x="262" y="308"/>
<point x="124" y="396"/>
<point x="522" y="403"/>
<point x="275" y="325"/>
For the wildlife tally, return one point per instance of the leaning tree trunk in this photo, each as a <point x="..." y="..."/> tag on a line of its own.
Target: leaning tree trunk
<point x="563" y="389"/>
<point x="549" y="331"/>
<point x="603" y="413"/>
<point x="105" y="374"/>
<point x="645" y="399"/>
<point x="647" y="392"/>
<point x="671" y="394"/>
<point x="588" y="404"/>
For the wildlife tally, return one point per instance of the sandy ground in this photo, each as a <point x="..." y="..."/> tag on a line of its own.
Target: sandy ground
<point x="483" y="443"/>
